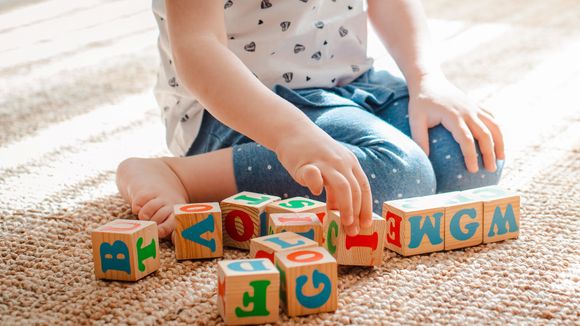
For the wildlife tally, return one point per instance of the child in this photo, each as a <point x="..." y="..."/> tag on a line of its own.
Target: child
<point x="279" y="97"/>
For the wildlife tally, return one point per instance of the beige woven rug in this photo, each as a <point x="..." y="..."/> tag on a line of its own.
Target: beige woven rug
<point x="75" y="99"/>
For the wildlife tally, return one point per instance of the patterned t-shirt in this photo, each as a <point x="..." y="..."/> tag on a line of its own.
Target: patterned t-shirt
<point x="295" y="43"/>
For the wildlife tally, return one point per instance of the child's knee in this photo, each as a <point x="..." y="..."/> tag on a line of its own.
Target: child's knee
<point x="398" y="172"/>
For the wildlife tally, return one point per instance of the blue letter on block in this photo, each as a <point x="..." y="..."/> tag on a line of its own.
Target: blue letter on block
<point x="501" y="220"/>
<point x="255" y="265"/>
<point x="471" y="227"/>
<point x="114" y="263"/>
<point x="307" y="234"/>
<point x="194" y="232"/>
<point x="432" y="231"/>
<point x="316" y="300"/>
<point x="283" y="244"/>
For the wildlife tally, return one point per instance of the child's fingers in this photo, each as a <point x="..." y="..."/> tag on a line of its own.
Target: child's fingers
<point x="420" y="132"/>
<point x="485" y="142"/>
<point x="309" y="176"/>
<point x="464" y="138"/>
<point x="166" y="227"/>
<point x="340" y="188"/>
<point x="355" y="195"/>
<point x="366" y="210"/>
<point x="330" y="199"/>
<point x="496" y="133"/>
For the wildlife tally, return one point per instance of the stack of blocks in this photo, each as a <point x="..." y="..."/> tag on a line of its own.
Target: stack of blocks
<point x="305" y="224"/>
<point x="288" y="264"/>
<point x="450" y="221"/>
<point x="244" y="218"/>
<point x="267" y="246"/>
<point x="298" y="205"/>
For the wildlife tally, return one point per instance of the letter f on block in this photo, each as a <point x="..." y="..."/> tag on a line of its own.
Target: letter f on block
<point x="259" y="300"/>
<point x="194" y="232"/>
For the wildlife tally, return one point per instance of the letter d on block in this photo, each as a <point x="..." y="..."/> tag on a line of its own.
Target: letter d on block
<point x="248" y="266"/>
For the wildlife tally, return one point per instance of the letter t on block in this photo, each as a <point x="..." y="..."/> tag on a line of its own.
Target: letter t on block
<point x="125" y="250"/>
<point x="248" y="291"/>
<point x="198" y="231"/>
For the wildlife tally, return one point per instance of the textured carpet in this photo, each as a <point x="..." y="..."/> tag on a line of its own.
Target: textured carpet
<point x="75" y="99"/>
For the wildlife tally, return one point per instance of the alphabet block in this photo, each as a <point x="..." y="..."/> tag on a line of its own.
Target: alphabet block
<point x="198" y="231"/>
<point x="267" y="246"/>
<point x="501" y="212"/>
<point x="416" y="225"/>
<point x="248" y="291"/>
<point x="244" y="218"/>
<point x="298" y="205"/>
<point x="308" y="281"/>
<point x="125" y="250"/>
<point x="305" y="224"/>
<point x="463" y="221"/>
<point x="364" y="249"/>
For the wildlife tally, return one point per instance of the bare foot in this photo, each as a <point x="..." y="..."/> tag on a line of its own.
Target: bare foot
<point x="152" y="188"/>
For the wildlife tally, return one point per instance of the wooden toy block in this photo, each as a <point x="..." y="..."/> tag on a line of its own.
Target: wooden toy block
<point x="416" y="225"/>
<point x="248" y="291"/>
<point x="244" y="218"/>
<point x="308" y="281"/>
<point x="198" y="231"/>
<point x="501" y="212"/>
<point x="267" y="246"/>
<point x="125" y="250"/>
<point x="306" y="224"/>
<point x="364" y="249"/>
<point x="463" y="221"/>
<point x="298" y="205"/>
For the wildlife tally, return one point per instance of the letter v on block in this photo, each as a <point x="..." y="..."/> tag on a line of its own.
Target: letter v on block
<point x="198" y="233"/>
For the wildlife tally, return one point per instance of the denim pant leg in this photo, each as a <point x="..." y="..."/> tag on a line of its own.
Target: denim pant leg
<point x="444" y="152"/>
<point x="395" y="166"/>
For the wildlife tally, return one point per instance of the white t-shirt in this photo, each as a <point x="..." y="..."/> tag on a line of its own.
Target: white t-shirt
<point x="295" y="43"/>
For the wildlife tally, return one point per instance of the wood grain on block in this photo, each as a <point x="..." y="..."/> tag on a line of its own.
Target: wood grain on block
<point x="198" y="231"/>
<point x="305" y="224"/>
<point x="501" y="212"/>
<point x="308" y="281"/>
<point x="364" y="249"/>
<point x="248" y="291"/>
<point x="125" y="250"/>
<point x="299" y="205"/>
<point x="416" y="225"/>
<point x="267" y="246"/>
<point x="244" y="217"/>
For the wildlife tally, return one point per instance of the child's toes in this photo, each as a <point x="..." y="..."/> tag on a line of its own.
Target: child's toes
<point x="150" y="208"/>
<point x="167" y="227"/>
<point x="139" y="200"/>
<point x="162" y="214"/>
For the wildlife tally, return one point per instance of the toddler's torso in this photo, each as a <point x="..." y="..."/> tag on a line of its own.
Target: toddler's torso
<point x="295" y="43"/>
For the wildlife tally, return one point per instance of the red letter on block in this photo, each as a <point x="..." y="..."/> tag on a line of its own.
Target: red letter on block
<point x="370" y="241"/>
<point x="394" y="229"/>
<point x="248" y="226"/>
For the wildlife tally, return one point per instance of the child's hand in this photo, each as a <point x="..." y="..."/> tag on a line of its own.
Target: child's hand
<point x="316" y="161"/>
<point x="436" y="101"/>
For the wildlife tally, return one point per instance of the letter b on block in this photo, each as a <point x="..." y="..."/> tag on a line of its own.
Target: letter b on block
<point x="308" y="281"/>
<point x="198" y="231"/>
<point x="248" y="291"/>
<point x="125" y="250"/>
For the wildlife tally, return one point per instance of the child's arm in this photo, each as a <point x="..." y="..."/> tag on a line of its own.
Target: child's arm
<point x="232" y="94"/>
<point x="402" y="26"/>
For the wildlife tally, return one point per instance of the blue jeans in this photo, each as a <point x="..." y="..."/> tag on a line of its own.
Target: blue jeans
<point x="370" y="117"/>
